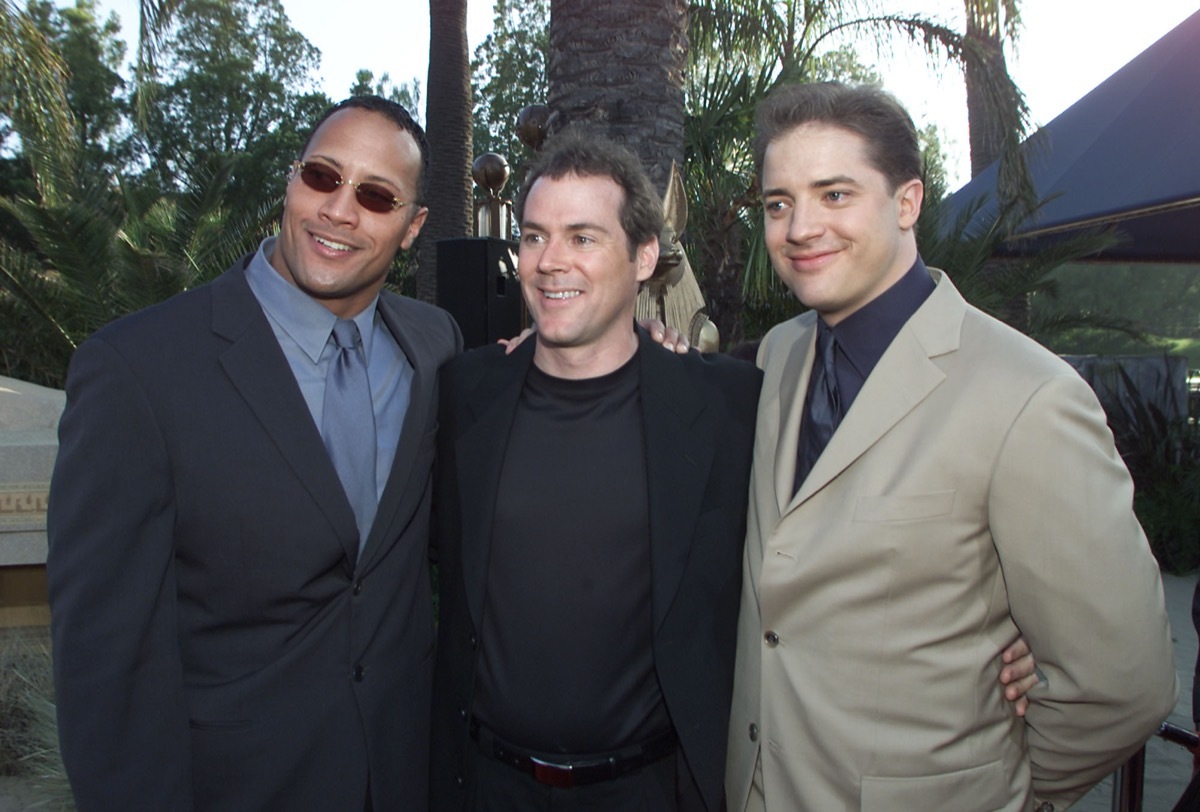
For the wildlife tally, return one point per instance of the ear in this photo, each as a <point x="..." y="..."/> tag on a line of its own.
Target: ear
<point x="414" y="228"/>
<point x="647" y="259"/>
<point x="909" y="196"/>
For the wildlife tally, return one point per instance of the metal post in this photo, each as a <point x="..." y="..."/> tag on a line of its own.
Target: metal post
<point x="1127" y="783"/>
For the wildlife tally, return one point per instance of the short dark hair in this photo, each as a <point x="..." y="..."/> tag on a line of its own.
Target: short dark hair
<point x="870" y="112"/>
<point x="574" y="152"/>
<point x="398" y="115"/>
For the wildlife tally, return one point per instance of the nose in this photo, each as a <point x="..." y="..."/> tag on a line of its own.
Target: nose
<point x="804" y="224"/>
<point x="339" y="206"/>
<point x="551" y="258"/>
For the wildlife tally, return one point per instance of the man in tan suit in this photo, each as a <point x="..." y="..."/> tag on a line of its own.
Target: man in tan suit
<point x="970" y="492"/>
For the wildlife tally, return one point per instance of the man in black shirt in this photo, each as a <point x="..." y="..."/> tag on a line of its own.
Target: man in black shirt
<point x="591" y="505"/>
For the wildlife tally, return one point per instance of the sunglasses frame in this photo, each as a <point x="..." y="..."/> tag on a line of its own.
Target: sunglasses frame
<point x="374" y="190"/>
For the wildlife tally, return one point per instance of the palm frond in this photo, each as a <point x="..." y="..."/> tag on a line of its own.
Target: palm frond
<point x="37" y="104"/>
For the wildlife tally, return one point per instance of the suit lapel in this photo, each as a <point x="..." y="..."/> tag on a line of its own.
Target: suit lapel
<point x="479" y="459"/>
<point x="792" y="387"/>
<point x="259" y="371"/>
<point x="678" y="459"/>
<point x="904" y="377"/>
<point x="399" y="494"/>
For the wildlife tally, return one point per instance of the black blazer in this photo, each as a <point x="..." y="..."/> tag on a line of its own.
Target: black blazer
<point x="216" y="646"/>
<point x="698" y="417"/>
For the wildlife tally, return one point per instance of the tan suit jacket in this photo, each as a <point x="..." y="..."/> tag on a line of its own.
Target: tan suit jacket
<point x="972" y="493"/>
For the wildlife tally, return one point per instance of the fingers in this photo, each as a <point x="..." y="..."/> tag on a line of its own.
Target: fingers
<point x="1019" y="676"/>
<point x="1016" y="651"/>
<point x="669" y="337"/>
<point x="1019" y="670"/>
<point x="511" y="344"/>
<point x="675" y="341"/>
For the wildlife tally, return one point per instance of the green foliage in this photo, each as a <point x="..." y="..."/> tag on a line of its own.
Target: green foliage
<point x="1163" y="299"/>
<point x="407" y="94"/>
<point x="1162" y="452"/>
<point x="232" y="81"/>
<point x="32" y="82"/>
<point x="1022" y="290"/>
<point x="92" y="52"/>
<point x="158" y="204"/>
<point x="509" y="73"/>
<point x="98" y="255"/>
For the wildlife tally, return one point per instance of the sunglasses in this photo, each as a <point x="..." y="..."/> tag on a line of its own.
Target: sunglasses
<point x="325" y="179"/>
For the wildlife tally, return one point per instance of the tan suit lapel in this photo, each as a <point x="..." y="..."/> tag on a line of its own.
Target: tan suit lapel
<point x="788" y="398"/>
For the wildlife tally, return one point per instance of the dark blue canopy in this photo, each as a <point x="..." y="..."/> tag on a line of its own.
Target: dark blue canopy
<point x="1127" y="153"/>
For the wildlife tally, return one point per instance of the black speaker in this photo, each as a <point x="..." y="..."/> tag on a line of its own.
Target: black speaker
<point x="477" y="283"/>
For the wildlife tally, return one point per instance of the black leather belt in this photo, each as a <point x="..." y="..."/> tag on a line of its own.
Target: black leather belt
<point x="565" y="772"/>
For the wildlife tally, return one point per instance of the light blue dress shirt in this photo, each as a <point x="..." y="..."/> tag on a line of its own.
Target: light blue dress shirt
<point x="303" y="326"/>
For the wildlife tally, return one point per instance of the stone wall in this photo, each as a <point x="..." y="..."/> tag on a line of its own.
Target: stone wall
<point x="28" y="445"/>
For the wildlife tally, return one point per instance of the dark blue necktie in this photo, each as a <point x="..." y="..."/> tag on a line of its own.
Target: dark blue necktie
<point x="348" y="424"/>
<point x="822" y="407"/>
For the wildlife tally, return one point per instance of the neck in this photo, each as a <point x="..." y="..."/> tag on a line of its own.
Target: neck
<point x="588" y="361"/>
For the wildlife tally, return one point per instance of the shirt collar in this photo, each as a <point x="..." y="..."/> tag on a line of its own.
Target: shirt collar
<point x="307" y="321"/>
<point x="865" y="335"/>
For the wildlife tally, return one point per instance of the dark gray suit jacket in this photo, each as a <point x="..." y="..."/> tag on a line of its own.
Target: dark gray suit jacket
<point x="698" y="419"/>
<point x="216" y="644"/>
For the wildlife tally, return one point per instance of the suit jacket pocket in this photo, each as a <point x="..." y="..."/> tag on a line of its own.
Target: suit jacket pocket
<point x="904" y="507"/>
<point x="977" y="788"/>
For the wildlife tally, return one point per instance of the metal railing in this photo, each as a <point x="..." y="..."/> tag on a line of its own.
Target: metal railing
<point x="1129" y="780"/>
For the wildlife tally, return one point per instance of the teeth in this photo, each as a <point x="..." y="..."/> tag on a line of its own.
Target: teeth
<point x="561" y="294"/>
<point x="336" y="246"/>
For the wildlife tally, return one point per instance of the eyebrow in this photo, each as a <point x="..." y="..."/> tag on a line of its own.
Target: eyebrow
<point x="572" y="227"/>
<point x="823" y="183"/>
<point x="836" y="180"/>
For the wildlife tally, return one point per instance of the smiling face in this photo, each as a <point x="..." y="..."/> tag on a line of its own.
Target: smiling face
<point x="331" y="247"/>
<point x="838" y="235"/>
<point x="577" y="275"/>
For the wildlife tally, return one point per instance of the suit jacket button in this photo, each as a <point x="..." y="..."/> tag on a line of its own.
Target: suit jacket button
<point x="772" y="639"/>
<point x="1045" y="806"/>
<point x="358" y="587"/>
<point x="471" y="640"/>
<point x="753" y="732"/>
<point x="462" y="712"/>
<point x="359" y="671"/>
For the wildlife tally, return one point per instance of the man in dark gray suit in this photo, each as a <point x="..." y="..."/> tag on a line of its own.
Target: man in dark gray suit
<point x="231" y="630"/>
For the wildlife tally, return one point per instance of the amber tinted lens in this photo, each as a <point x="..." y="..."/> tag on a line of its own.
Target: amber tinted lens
<point x="375" y="198"/>
<point x="325" y="179"/>
<point x="320" y="178"/>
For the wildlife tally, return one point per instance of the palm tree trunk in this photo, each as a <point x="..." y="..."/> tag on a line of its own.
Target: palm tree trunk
<point x="448" y="124"/>
<point x="619" y="66"/>
<point x="985" y="121"/>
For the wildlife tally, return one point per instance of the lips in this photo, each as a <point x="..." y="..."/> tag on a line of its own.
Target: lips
<point x="810" y="259"/>
<point x="332" y="245"/>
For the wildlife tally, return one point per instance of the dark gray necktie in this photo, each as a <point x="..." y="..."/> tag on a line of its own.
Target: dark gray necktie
<point x="348" y="424"/>
<point x="822" y="407"/>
